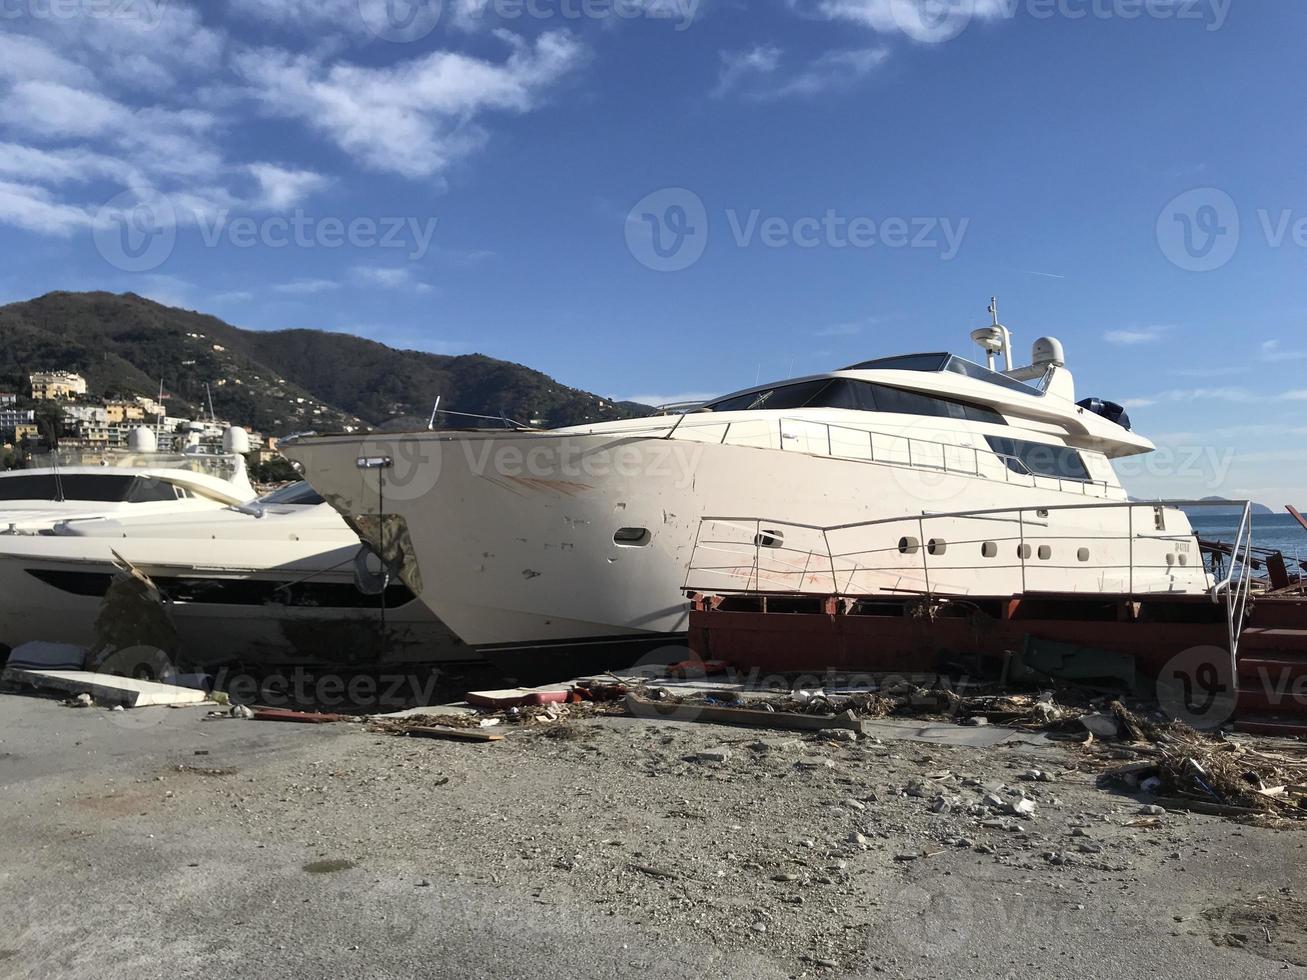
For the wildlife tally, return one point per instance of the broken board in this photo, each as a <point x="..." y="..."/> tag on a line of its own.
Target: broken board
<point x="106" y="688"/>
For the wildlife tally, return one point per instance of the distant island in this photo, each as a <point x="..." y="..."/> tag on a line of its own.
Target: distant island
<point x="1233" y="510"/>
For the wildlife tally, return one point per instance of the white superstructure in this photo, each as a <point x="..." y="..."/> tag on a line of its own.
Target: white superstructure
<point x="139" y="480"/>
<point x="585" y="534"/>
<point x="279" y="580"/>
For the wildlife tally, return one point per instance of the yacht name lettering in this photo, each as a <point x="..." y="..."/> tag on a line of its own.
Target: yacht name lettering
<point x="833" y="230"/>
<point x="304" y="231"/>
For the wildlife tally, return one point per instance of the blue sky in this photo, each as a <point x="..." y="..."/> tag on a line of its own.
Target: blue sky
<point x="667" y="198"/>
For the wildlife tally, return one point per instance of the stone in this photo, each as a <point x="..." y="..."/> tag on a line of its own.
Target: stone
<point x="1036" y="776"/>
<point x="759" y="927"/>
<point x="1101" y="724"/>
<point x="994" y="801"/>
<point x="717" y="755"/>
<point x="858" y="839"/>
<point x="1023" y="807"/>
<point x="940" y="805"/>
<point x="785" y="876"/>
<point x="839" y="734"/>
<point x="815" y="762"/>
<point x="976" y="721"/>
<point x="242" y="711"/>
<point x="1152" y="810"/>
<point x="853" y="804"/>
<point x="1091" y="848"/>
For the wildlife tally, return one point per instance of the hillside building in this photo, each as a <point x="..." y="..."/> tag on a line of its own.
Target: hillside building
<point x="53" y="385"/>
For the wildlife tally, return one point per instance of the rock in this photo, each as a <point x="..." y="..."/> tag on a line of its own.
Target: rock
<point x="839" y="734"/>
<point x="815" y="762"/>
<point x="785" y="876"/>
<point x="242" y="711"/>
<point x="853" y="804"/>
<point x="717" y="755"/>
<point x="774" y="745"/>
<point x="759" y="927"/>
<point x="1102" y="725"/>
<point x="82" y="700"/>
<point x="916" y="789"/>
<point x="1090" y="848"/>
<point x="994" y="801"/>
<point x="1056" y="857"/>
<point x="1152" y="810"/>
<point x="1023" y="807"/>
<point x="117" y="707"/>
<point x="976" y="721"/>
<point x="940" y="805"/>
<point x="1036" y="776"/>
<point x="858" y="839"/>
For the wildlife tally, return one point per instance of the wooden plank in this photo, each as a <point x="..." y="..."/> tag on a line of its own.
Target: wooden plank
<point x="748" y="717"/>
<point x="458" y="734"/>
<point x="106" y="688"/>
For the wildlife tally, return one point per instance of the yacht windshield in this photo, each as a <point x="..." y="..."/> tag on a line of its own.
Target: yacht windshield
<point x="103" y="488"/>
<point x="935" y="363"/>
<point x="293" y="493"/>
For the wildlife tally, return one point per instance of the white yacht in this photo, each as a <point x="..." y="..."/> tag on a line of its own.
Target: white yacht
<point x="139" y="480"/>
<point x="527" y="540"/>
<point x="279" y="580"/>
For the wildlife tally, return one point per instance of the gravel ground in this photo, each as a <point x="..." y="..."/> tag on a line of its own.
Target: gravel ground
<point x="156" y="843"/>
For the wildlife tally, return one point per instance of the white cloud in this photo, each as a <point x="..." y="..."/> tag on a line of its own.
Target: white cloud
<point x="389" y="277"/>
<point x="756" y="72"/>
<point x="762" y="59"/>
<point x="53" y="109"/>
<point x="928" y="21"/>
<point x="283" y="188"/>
<point x="306" y="287"/>
<point x="33" y="208"/>
<point x="1272" y="351"/>
<point x="1136" y="335"/>
<point x="417" y="117"/>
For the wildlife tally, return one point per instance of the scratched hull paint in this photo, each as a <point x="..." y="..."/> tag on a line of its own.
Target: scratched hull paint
<point x="544" y="537"/>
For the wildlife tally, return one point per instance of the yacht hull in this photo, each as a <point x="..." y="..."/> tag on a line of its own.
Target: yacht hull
<point x="540" y="541"/>
<point x="298" y="613"/>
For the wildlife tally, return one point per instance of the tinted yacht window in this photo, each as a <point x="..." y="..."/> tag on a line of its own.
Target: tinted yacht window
<point x="859" y="396"/>
<point x="1040" y="459"/>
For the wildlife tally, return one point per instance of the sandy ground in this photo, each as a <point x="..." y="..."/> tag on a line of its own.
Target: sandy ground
<point x="610" y="848"/>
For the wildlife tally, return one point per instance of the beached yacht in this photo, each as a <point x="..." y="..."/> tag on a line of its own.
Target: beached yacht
<point x="139" y="480"/>
<point x="583" y="536"/>
<point x="278" y="580"/>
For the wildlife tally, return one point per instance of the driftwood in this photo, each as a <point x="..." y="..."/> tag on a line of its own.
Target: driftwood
<point x="748" y="717"/>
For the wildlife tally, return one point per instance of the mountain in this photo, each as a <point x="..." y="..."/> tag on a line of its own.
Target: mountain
<point x="275" y="381"/>
<point x="1234" y="510"/>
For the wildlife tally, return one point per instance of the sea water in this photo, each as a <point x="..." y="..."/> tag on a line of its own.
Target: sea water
<point x="1279" y="532"/>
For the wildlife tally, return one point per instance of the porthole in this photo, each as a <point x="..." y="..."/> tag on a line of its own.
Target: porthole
<point x="1184" y="560"/>
<point x="767" y="538"/>
<point x="1045" y="552"/>
<point x="1023" y="551"/>
<point x="1083" y="554"/>
<point x="908" y="546"/>
<point x="632" y="537"/>
<point x="989" y="549"/>
<point x="936" y="546"/>
<point x="1170" y="559"/>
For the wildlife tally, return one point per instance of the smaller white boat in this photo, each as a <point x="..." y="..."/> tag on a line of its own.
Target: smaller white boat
<point x="278" y="580"/>
<point x="136" y="481"/>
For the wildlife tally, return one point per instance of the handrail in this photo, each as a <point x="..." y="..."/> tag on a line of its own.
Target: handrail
<point x="795" y="556"/>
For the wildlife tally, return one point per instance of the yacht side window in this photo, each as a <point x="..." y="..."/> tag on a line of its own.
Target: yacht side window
<point x="1040" y="459"/>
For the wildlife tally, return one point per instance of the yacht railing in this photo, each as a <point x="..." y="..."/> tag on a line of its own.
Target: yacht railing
<point x="819" y="438"/>
<point x="1015" y="550"/>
